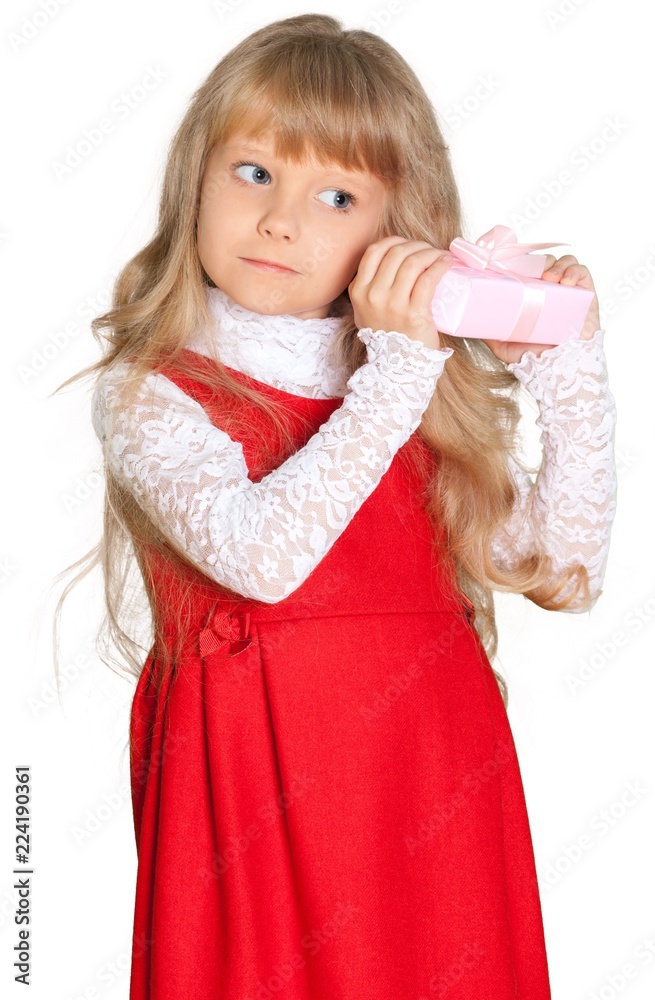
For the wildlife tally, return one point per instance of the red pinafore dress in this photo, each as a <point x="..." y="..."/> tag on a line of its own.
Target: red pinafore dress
<point x="327" y="799"/>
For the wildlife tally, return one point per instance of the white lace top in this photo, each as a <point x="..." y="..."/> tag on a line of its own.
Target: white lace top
<point x="263" y="539"/>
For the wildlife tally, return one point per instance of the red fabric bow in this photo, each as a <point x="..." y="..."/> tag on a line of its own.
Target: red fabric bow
<point x="222" y="629"/>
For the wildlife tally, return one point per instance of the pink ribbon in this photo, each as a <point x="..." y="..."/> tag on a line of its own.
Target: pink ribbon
<point x="498" y="250"/>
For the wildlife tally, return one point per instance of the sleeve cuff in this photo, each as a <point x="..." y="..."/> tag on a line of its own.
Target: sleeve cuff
<point x="570" y="347"/>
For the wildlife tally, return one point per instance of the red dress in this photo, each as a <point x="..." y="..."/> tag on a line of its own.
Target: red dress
<point x="327" y="799"/>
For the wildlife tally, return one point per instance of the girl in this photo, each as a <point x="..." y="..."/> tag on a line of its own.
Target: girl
<point x="322" y="492"/>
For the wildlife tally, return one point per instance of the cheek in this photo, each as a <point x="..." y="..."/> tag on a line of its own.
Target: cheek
<point x="211" y="223"/>
<point x="354" y="250"/>
<point x="347" y="258"/>
<point x="202" y="238"/>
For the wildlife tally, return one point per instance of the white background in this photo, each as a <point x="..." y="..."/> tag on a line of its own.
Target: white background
<point x="536" y="88"/>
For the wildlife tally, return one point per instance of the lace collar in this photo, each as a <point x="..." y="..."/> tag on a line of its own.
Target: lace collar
<point x="283" y="351"/>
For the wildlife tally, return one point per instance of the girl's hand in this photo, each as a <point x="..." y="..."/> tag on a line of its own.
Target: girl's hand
<point x="567" y="271"/>
<point x="394" y="287"/>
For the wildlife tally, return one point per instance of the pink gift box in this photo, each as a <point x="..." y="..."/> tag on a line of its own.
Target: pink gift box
<point x="495" y="291"/>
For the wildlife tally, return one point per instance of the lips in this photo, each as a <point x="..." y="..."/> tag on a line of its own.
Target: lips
<point x="269" y="263"/>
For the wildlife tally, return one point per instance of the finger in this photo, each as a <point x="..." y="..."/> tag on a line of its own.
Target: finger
<point x="370" y="260"/>
<point x="399" y="271"/>
<point x="554" y="271"/>
<point x="574" y="274"/>
<point x="424" y="287"/>
<point x="383" y="265"/>
<point x="395" y="262"/>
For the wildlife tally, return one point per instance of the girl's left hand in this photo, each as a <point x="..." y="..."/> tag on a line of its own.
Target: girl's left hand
<point x="567" y="271"/>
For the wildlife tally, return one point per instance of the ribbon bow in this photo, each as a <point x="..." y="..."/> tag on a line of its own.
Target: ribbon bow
<point x="498" y="250"/>
<point x="222" y="628"/>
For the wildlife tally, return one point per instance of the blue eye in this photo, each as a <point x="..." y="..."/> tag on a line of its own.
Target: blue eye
<point x="343" y="194"/>
<point x="254" y="174"/>
<point x="259" y="170"/>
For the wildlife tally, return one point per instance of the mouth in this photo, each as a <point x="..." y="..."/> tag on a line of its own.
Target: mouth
<point x="269" y="265"/>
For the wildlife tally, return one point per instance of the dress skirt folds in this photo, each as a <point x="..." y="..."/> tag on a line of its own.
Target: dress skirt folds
<point x="327" y="799"/>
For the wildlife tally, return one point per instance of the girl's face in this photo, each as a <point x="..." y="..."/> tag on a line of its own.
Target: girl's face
<point x="313" y="220"/>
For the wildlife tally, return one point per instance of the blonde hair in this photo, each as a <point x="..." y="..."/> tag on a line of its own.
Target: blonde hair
<point x="345" y="96"/>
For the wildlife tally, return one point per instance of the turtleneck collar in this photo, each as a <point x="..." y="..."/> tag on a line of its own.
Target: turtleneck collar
<point x="283" y="351"/>
<point x="223" y="306"/>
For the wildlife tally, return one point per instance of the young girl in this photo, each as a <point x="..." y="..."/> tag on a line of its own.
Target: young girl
<point x="322" y="492"/>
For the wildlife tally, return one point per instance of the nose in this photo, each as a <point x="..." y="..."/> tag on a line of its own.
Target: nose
<point x="279" y="219"/>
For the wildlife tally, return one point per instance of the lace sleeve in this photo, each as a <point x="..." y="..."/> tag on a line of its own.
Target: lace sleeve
<point x="569" y="510"/>
<point x="263" y="539"/>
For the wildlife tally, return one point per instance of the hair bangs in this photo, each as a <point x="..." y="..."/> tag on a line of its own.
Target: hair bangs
<point x="316" y="108"/>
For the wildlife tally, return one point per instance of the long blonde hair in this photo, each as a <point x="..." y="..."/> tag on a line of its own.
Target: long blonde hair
<point x="345" y="96"/>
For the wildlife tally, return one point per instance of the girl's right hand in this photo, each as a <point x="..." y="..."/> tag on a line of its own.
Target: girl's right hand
<point x="394" y="287"/>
